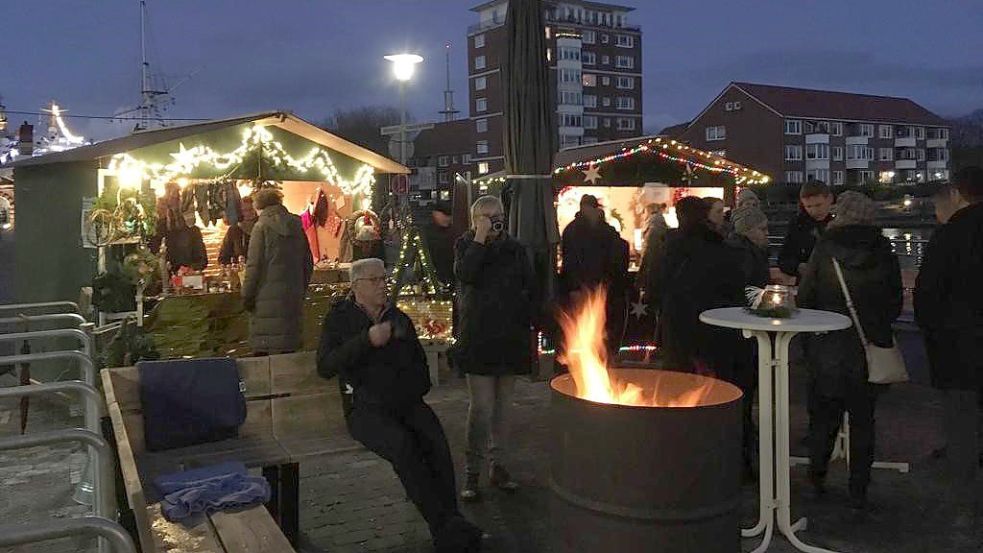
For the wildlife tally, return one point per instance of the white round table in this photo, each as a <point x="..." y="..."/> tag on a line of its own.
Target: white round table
<point x="775" y="492"/>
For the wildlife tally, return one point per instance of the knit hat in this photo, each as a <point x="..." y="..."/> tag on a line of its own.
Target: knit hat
<point x="853" y="208"/>
<point x="747" y="218"/>
<point x="747" y="195"/>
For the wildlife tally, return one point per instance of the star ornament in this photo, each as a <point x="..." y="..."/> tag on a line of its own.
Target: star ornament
<point x="639" y="309"/>
<point x="592" y="174"/>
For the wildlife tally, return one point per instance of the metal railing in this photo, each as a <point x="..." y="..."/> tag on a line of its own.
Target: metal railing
<point x="63" y="307"/>
<point x="75" y="318"/>
<point x="85" y="341"/>
<point x="92" y="526"/>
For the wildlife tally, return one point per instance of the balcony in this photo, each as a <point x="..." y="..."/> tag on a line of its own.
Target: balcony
<point x="937" y="164"/>
<point x="485" y="25"/>
<point x="905" y="164"/>
<point x="817" y="138"/>
<point x="857" y="163"/>
<point x="937" y="143"/>
<point x="904" y="142"/>
<point x="852" y="140"/>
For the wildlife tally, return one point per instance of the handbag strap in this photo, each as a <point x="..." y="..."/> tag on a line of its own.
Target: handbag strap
<point x="849" y="302"/>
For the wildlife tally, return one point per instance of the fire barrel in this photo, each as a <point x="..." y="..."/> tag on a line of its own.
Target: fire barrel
<point x="641" y="479"/>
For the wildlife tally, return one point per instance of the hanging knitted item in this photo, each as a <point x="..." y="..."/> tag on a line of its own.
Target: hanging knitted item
<point x="321" y="209"/>
<point x="233" y="203"/>
<point x="188" y="200"/>
<point x="201" y="198"/>
<point x="216" y="201"/>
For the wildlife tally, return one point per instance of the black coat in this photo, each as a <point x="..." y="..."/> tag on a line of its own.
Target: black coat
<point x="592" y="255"/>
<point x="393" y="375"/>
<point x="873" y="276"/>
<point x="185" y="246"/>
<point x="800" y="239"/>
<point x="440" y="244"/>
<point x="753" y="260"/>
<point x="949" y="300"/>
<point x="495" y="300"/>
<point x="699" y="272"/>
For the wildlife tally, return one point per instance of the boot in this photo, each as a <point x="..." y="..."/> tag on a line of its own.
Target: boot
<point x="470" y="493"/>
<point x="501" y="479"/>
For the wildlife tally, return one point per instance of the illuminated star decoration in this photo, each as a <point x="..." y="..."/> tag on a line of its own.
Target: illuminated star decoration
<point x="639" y="309"/>
<point x="592" y="174"/>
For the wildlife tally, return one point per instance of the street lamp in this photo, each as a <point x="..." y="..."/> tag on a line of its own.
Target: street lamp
<point x="403" y="67"/>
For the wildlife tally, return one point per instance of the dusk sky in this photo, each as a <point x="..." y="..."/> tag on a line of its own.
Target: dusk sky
<point x="316" y="56"/>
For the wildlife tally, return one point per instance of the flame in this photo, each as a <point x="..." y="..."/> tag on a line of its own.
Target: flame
<point x="586" y="356"/>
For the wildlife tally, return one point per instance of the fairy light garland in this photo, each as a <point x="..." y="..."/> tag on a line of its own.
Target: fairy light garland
<point x="132" y="171"/>
<point x="428" y="280"/>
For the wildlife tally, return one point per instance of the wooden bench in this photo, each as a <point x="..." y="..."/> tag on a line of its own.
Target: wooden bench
<point x="292" y="415"/>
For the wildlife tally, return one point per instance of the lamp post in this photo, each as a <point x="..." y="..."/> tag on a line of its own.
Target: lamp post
<point x="403" y="67"/>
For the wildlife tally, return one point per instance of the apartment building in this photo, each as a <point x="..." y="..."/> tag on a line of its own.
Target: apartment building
<point x="840" y="138"/>
<point x="595" y="61"/>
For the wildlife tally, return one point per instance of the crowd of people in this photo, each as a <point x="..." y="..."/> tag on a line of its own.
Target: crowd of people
<point x="372" y="347"/>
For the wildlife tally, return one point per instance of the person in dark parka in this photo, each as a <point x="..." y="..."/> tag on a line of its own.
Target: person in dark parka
<point x="496" y="299"/>
<point x="836" y="360"/>
<point x="382" y="370"/>
<point x="949" y="309"/>
<point x="278" y="270"/>
<point x="699" y="272"/>
<point x="815" y="201"/>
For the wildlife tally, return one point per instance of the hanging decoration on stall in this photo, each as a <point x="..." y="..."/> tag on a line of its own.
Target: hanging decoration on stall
<point x="120" y="215"/>
<point x="686" y="160"/>
<point x="257" y="142"/>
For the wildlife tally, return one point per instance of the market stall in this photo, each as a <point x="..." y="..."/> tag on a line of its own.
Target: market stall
<point x="165" y="218"/>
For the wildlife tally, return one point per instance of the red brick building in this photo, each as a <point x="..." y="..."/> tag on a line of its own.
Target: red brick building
<point x="595" y="61"/>
<point x="797" y="134"/>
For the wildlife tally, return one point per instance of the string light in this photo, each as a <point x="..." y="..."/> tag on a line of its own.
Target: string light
<point x="255" y="139"/>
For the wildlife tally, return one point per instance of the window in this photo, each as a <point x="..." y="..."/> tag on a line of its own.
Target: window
<point x="920" y="133"/>
<point x="571" y="98"/>
<point x="793" y="126"/>
<point x="818" y="174"/>
<point x="942" y="134"/>
<point x="443" y="178"/>
<point x="625" y="102"/>
<point x="479" y="41"/>
<point x="732" y="106"/>
<point x="482" y="147"/>
<point x="865" y="129"/>
<point x="921" y="154"/>
<point x="465" y="159"/>
<point x="793" y="177"/>
<point x="570" y="120"/>
<point x="590" y="140"/>
<point x="567" y="53"/>
<point x="837" y="177"/>
<point x="481" y="104"/>
<point x="479" y="62"/>
<point x="885" y="154"/>
<point x="624" y="62"/>
<point x="481" y="83"/>
<point x="549" y="54"/>
<point x="606" y="81"/>
<point x="817" y="151"/>
<point x="588" y="37"/>
<point x="606" y="102"/>
<point x="605" y="60"/>
<point x="793" y="152"/>
<point x="607" y="122"/>
<point x="721" y="153"/>
<point x="589" y="80"/>
<point x="590" y="121"/>
<point x="838" y="152"/>
<point x="625" y="41"/>
<point x="907" y="153"/>
<point x="590" y="101"/>
<point x="549" y="32"/>
<point x="808" y="127"/>
<point x="483" y="168"/>
<point x="626" y="83"/>
<point x="887" y="131"/>
<point x="570" y="76"/>
<point x="626" y="124"/>
<point x="443" y="161"/>
<point x="588" y="58"/>
<point x="836" y="129"/>
<point x="481" y="125"/>
<point x="859" y="151"/>
<point x="718" y="132"/>
<point x="605" y="38"/>
<point x="865" y="176"/>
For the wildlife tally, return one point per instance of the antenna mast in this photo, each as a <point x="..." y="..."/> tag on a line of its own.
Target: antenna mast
<point x="448" y="112"/>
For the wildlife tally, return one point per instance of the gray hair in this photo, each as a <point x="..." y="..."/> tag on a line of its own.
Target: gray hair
<point x="361" y="267"/>
<point x="485" y="203"/>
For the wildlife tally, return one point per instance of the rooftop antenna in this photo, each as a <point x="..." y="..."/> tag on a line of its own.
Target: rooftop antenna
<point x="448" y="112"/>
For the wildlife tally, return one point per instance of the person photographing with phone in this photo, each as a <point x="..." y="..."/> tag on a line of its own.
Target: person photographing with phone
<point x="373" y="348"/>
<point x="495" y="295"/>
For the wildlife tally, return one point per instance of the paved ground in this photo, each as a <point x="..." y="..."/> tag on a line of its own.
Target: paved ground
<point x="353" y="502"/>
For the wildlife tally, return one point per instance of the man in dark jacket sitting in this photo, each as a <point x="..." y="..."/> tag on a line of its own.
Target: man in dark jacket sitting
<point x="372" y="346"/>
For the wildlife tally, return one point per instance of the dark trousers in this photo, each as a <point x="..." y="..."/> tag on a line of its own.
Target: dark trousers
<point x="962" y="432"/>
<point x="826" y="418"/>
<point x="412" y="439"/>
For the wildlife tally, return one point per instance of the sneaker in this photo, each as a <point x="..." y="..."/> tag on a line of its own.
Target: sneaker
<point x="501" y="479"/>
<point x="470" y="492"/>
